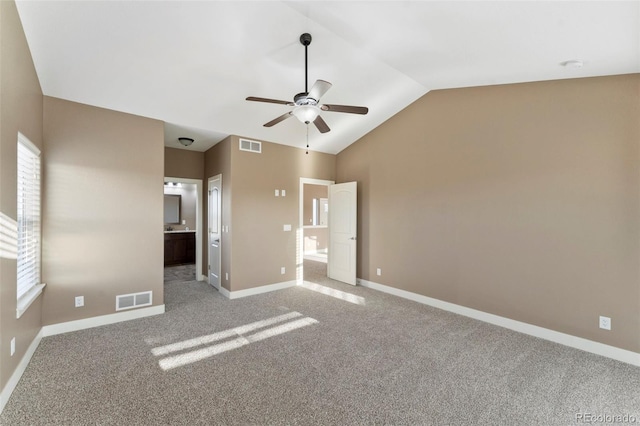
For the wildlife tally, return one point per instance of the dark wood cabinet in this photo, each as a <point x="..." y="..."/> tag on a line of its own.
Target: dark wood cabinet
<point x="179" y="248"/>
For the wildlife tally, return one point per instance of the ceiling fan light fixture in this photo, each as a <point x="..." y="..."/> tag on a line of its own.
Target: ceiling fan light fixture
<point x="306" y="113"/>
<point x="185" y="141"/>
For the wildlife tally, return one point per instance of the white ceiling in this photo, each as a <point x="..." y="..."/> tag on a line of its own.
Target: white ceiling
<point x="192" y="64"/>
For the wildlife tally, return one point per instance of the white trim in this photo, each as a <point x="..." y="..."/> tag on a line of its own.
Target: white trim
<point x="300" y="230"/>
<point x="597" y="348"/>
<point x="198" y="183"/>
<point x="27" y="299"/>
<point x="226" y="293"/>
<point x="19" y="371"/>
<point x="66" y="327"/>
<point x="28" y="144"/>
<point x="257" y="290"/>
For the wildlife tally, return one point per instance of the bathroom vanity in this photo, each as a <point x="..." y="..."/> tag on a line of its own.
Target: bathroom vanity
<point x="179" y="247"/>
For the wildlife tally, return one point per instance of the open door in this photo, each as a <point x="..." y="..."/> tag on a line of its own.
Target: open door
<point x="214" y="191"/>
<point x="343" y="209"/>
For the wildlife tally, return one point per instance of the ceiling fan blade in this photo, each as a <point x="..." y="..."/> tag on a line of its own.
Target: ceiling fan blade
<point x="321" y="125"/>
<point x="271" y="101"/>
<point x="279" y="119"/>
<point x="318" y="89"/>
<point x="345" y="108"/>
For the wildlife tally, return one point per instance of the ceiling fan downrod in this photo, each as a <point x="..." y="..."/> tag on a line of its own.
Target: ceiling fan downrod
<point x="305" y="39"/>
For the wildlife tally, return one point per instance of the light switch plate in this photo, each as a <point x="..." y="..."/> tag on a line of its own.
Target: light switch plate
<point x="13" y="346"/>
<point x="284" y="193"/>
<point x="277" y="193"/>
<point x="605" y="323"/>
<point x="287" y="227"/>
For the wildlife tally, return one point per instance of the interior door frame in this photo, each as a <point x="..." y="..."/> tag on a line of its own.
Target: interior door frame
<point x="300" y="231"/>
<point x="218" y="178"/>
<point x="198" y="183"/>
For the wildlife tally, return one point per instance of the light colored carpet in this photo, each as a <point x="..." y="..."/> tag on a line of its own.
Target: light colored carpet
<point x="318" y="359"/>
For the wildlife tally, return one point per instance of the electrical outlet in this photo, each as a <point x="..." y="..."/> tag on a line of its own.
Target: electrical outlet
<point x="79" y="301"/>
<point x="284" y="193"/>
<point x="13" y="346"/>
<point x="605" y="323"/>
<point x="379" y="271"/>
<point x="282" y="270"/>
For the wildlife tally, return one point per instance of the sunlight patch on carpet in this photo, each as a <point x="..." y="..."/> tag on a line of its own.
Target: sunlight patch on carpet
<point x="328" y="291"/>
<point x="221" y="335"/>
<point x="267" y="328"/>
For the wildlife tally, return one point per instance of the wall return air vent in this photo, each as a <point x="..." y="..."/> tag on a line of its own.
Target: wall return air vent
<point x="251" y="146"/>
<point x="133" y="300"/>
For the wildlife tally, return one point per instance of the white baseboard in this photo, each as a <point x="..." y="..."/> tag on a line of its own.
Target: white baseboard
<point x="258" y="290"/>
<point x="66" y="327"/>
<point x="522" y="327"/>
<point x="226" y="293"/>
<point x="17" y="374"/>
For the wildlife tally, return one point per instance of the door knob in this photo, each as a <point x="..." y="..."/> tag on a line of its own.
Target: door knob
<point x="352" y="238"/>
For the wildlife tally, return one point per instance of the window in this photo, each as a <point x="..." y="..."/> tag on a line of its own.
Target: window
<point x="29" y="237"/>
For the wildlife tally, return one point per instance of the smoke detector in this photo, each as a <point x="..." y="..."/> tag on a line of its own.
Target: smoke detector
<point x="574" y="64"/>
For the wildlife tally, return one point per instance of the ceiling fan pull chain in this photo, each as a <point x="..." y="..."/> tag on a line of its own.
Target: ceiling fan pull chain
<point x="307" y="137"/>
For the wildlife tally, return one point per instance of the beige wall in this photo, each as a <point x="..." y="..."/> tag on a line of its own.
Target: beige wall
<point x="260" y="246"/>
<point x="518" y="200"/>
<point x="218" y="161"/>
<point x="103" y="209"/>
<point x="20" y="111"/>
<point x="183" y="163"/>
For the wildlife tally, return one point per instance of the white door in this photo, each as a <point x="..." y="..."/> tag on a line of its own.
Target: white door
<point x="215" y="192"/>
<point x="343" y="208"/>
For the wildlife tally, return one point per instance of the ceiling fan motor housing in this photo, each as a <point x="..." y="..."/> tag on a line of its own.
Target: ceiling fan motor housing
<point x="303" y="99"/>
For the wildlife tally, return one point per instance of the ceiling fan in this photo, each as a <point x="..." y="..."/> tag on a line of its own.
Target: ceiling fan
<point x="306" y="105"/>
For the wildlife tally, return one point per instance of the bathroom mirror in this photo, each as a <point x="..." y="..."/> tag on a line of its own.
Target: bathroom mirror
<point x="172" y="208"/>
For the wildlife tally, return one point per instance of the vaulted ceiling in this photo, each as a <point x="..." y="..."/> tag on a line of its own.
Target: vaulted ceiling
<point x="192" y="64"/>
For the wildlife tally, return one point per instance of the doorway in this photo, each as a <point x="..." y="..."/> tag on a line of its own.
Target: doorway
<point x="313" y="231"/>
<point x="190" y="220"/>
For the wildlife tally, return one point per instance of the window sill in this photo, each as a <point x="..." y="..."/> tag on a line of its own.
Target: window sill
<point x="27" y="299"/>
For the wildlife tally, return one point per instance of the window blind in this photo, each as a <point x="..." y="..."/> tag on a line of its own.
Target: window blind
<point x="28" y="215"/>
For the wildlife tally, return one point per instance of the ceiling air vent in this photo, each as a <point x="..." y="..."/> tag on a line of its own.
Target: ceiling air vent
<point x="251" y="146"/>
<point x="133" y="300"/>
